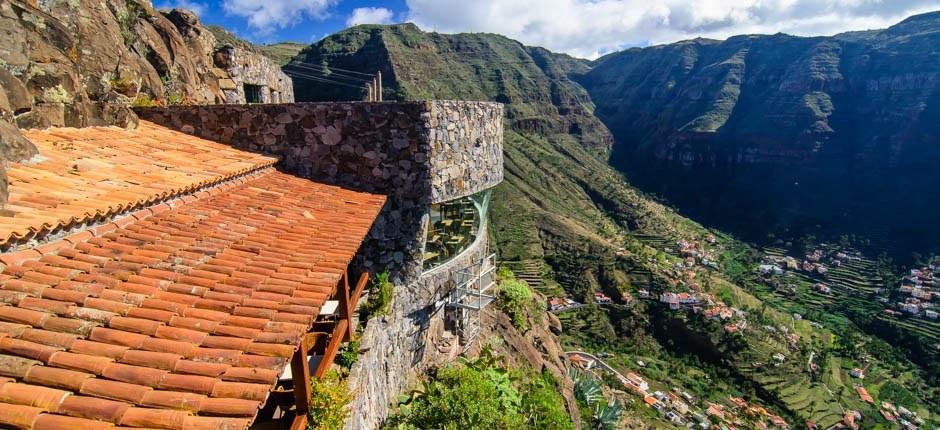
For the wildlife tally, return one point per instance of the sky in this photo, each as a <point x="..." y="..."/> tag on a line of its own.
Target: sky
<point x="583" y="28"/>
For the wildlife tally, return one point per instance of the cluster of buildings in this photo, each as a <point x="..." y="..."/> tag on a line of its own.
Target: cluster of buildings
<point x="694" y="252"/>
<point x="743" y="415"/>
<point x="917" y="291"/>
<point x="900" y="415"/>
<point x="560" y="304"/>
<point x="817" y="262"/>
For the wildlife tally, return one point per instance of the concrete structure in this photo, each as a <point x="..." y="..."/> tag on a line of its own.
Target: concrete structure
<point x="418" y="154"/>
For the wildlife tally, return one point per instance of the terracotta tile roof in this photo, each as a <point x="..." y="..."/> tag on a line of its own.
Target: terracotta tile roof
<point x="180" y="316"/>
<point x="86" y="174"/>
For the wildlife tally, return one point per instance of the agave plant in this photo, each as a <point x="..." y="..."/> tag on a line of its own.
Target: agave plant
<point x="607" y="416"/>
<point x="588" y="390"/>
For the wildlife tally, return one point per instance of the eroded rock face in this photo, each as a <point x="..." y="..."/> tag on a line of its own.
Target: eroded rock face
<point x="85" y="62"/>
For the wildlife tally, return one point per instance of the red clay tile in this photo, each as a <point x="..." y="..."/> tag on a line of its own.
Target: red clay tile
<point x="135" y="325"/>
<point x="260" y="361"/>
<point x="18" y="257"/>
<point x="213" y="423"/>
<point x="174" y="400"/>
<point x="183" y="349"/>
<point x="59" y="422"/>
<point x="22" y="348"/>
<point x="188" y="383"/>
<point x="153" y="418"/>
<point x="133" y="374"/>
<point x="241" y="390"/>
<point x="18" y="416"/>
<point x="97" y="348"/>
<point x="58" y="378"/>
<point x="229" y="407"/>
<point x="200" y="368"/>
<point x="53" y="247"/>
<point x="114" y="390"/>
<point x="157" y="360"/>
<point x="80" y="362"/>
<point x="92" y="408"/>
<point x="47" y="337"/>
<point x="45" y="398"/>
<point x="16" y="367"/>
<point x="181" y="334"/>
<point x="69" y="325"/>
<point x="246" y="374"/>
<point x="117" y="337"/>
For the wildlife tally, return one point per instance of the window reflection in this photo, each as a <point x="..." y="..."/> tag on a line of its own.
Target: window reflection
<point x="452" y="227"/>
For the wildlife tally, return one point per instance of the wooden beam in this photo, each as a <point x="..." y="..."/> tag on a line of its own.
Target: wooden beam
<point x="360" y="287"/>
<point x="300" y="422"/>
<point x="332" y="348"/>
<point x="345" y="306"/>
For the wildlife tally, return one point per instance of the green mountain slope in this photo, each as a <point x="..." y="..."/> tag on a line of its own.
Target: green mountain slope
<point x="793" y="135"/>
<point x="575" y="227"/>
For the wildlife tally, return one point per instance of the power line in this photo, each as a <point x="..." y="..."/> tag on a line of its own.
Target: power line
<point x="324" y="73"/>
<point x="294" y="74"/>
<point x="333" y="68"/>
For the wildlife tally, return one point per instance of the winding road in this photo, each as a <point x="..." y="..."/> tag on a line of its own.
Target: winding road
<point x="597" y="360"/>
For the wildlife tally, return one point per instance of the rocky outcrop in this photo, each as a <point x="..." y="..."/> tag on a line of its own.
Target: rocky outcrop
<point x="818" y="135"/>
<point x="84" y="62"/>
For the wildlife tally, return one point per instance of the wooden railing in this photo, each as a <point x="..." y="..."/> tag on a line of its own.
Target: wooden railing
<point x="322" y="338"/>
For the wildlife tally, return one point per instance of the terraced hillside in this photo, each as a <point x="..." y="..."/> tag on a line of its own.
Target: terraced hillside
<point x="573" y="225"/>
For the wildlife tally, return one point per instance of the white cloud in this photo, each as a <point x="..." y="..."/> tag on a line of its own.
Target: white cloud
<point x="369" y="15"/>
<point x="588" y="28"/>
<point x="266" y="16"/>
<point x="190" y="5"/>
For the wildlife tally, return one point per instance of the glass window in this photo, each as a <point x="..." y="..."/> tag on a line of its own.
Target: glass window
<point x="453" y="226"/>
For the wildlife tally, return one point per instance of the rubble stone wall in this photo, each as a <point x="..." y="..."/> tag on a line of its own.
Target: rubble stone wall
<point x="416" y="153"/>
<point x="242" y="66"/>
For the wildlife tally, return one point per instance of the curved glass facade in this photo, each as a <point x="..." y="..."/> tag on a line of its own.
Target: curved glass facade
<point x="453" y="226"/>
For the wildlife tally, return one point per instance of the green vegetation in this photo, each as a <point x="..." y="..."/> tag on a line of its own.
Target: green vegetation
<point x="516" y="300"/>
<point x="595" y="409"/>
<point x="349" y="353"/>
<point x="482" y="393"/>
<point x="329" y="398"/>
<point x="380" y="297"/>
<point x="143" y="100"/>
<point x="562" y="207"/>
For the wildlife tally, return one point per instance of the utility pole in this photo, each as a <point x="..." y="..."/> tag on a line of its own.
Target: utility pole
<point x="378" y="79"/>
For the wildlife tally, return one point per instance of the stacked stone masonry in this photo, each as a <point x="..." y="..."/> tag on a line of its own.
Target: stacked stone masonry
<point x="417" y="154"/>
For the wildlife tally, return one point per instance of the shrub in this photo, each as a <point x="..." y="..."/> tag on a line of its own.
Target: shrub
<point x="123" y="84"/>
<point x="56" y="94"/>
<point x="380" y="297"/>
<point x="349" y="353"/>
<point x="329" y="398"/>
<point x="143" y="100"/>
<point x="479" y="394"/>
<point x="544" y="406"/>
<point x="515" y="298"/>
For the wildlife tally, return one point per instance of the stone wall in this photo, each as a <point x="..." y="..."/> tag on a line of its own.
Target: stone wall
<point x="405" y="344"/>
<point x="416" y="153"/>
<point x="241" y="66"/>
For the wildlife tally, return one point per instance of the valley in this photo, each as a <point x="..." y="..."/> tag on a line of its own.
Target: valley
<point x="573" y="227"/>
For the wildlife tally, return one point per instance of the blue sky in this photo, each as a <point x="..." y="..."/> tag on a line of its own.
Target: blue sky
<point x="583" y="28"/>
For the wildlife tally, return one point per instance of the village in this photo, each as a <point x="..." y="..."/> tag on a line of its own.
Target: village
<point x="682" y="409"/>
<point x="917" y="292"/>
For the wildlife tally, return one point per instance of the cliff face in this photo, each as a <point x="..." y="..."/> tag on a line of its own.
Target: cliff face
<point x="797" y="132"/>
